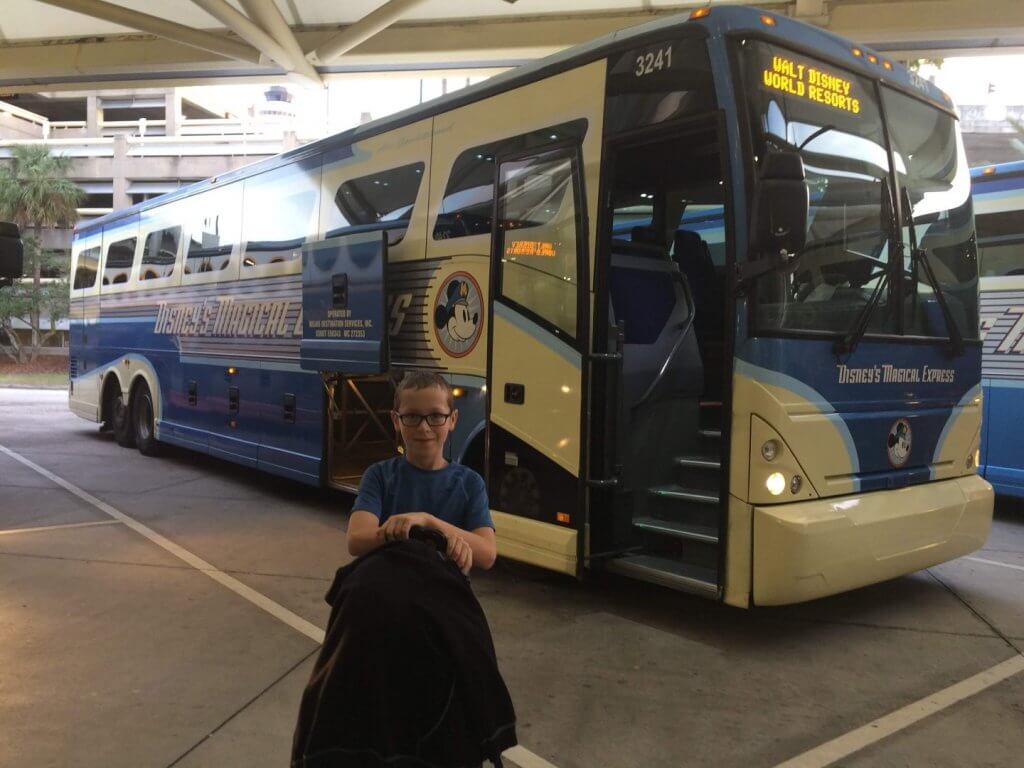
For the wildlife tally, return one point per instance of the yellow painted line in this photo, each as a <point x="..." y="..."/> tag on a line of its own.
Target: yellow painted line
<point x="886" y="726"/>
<point x="521" y="756"/>
<point x="995" y="562"/>
<point x="276" y="610"/>
<point x="11" y="531"/>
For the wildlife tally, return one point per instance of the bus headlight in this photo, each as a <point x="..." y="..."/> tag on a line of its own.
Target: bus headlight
<point x="770" y="450"/>
<point x="796" y="484"/>
<point x="776" y="483"/>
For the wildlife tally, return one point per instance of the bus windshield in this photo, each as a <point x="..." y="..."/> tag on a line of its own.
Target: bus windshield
<point x="834" y="119"/>
<point x="935" y="186"/>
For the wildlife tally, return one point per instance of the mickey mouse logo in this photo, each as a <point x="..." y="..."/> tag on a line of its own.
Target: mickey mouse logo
<point x="899" y="443"/>
<point x="457" y="314"/>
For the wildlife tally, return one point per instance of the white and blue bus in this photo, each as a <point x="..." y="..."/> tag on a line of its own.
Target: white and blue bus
<point x="999" y="213"/>
<point x="706" y="290"/>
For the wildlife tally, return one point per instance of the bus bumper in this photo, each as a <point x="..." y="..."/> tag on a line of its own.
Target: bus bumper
<point x="811" y="549"/>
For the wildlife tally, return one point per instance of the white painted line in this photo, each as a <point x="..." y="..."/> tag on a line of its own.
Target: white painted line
<point x="524" y="758"/>
<point x="11" y="531"/>
<point x="885" y="726"/>
<point x="279" y="612"/>
<point x="520" y="755"/>
<point x="995" y="562"/>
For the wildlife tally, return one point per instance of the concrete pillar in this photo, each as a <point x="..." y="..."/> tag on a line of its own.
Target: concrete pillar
<point x="93" y="116"/>
<point x="172" y="112"/>
<point x="118" y="171"/>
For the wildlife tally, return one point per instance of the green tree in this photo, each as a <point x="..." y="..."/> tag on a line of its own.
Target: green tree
<point x="35" y="194"/>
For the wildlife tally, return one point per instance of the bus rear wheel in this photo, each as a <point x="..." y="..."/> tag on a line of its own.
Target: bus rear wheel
<point x="120" y="423"/>
<point x="143" y="418"/>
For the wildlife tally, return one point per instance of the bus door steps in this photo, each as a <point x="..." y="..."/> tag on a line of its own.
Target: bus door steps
<point x="685" y="577"/>
<point x="679" y="493"/>
<point x="710" y="434"/>
<point x="681" y="530"/>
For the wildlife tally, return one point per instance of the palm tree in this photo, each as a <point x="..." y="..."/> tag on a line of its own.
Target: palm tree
<point x="35" y="193"/>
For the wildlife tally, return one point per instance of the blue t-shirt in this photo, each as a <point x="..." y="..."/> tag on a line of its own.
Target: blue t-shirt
<point x="455" y="494"/>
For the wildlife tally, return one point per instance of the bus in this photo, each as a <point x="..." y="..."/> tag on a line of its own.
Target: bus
<point x="706" y="290"/>
<point x="998" y="192"/>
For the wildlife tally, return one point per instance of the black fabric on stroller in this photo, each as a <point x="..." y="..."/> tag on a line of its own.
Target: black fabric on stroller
<point x="407" y="676"/>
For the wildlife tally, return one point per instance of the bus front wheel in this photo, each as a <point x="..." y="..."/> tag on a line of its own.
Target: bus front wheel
<point x="143" y="421"/>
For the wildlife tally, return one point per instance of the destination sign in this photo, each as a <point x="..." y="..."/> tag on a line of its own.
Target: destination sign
<point x="811" y="83"/>
<point x="531" y="248"/>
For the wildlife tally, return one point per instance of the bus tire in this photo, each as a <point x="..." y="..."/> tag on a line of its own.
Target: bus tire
<point x="121" y="423"/>
<point x="143" y="421"/>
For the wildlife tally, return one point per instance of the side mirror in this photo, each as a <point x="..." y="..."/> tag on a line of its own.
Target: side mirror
<point x="781" y="203"/>
<point x="11" y="253"/>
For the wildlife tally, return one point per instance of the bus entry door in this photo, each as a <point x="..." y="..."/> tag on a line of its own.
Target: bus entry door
<point x="343" y="304"/>
<point x="535" y="362"/>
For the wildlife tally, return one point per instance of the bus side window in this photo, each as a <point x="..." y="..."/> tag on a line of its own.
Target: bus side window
<point x="379" y="200"/>
<point x="159" y="253"/>
<point x="87" y="268"/>
<point x="468" y="202"/>
<point x="1001" y="243"/>
<point x="280" y="214"/>
<point x="214" y="227"/>
<point x="120" y="258"/>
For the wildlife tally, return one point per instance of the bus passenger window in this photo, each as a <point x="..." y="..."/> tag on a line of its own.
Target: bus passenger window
<point x="160" y="253"/>
<point x="468" y="202"/>
<point x="120" y="256"/>
<point x="280" y="214"/>
<point x="539" y="254"/>
<point x="214" y="227"/>
<point x="1001" y="243"/>
<point x="469" y="199"/>
<point x="88" y="265"/>
<point x="381" y="200"/>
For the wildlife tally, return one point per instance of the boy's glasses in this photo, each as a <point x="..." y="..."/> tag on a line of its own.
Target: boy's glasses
<point x="415" y="419"/>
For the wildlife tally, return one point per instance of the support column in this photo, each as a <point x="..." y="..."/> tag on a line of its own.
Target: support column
<point x="119" y="170"/>
<point x="172" y="112"/>
<point x="93" y="116"/>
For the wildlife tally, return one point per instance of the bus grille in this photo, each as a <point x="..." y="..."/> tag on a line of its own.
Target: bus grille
<point x="73" y="367"/>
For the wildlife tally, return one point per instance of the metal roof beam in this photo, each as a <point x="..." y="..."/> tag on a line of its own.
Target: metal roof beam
<point x="268" y="15"/>
<point x="362" y="30"/>
<point x="179" y="33"/>
<point x="256" y="36"/>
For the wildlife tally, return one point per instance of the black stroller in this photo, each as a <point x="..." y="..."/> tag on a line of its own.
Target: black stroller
<point x="407" y="676"/>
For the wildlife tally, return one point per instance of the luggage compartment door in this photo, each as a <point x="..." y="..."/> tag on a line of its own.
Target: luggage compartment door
<point x="343" y="304"/>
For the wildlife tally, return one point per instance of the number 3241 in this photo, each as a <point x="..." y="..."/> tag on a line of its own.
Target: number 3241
<point x="649" y="63"/>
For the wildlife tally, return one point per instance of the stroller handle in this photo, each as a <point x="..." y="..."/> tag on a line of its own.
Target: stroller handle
<point x="430" y="536"/>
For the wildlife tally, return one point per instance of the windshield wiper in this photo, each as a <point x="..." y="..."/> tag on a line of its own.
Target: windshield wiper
<point x="852" y="338"/>
<point x="849" y="342"/>
<point x="919" y="255"/>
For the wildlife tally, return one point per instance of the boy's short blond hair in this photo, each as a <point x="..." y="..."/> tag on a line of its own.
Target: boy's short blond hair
<point x="423" y="380"/>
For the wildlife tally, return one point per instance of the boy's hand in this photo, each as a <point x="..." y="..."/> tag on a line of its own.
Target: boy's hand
<point x="397" y="528"/>
<point x="459" y="552"/>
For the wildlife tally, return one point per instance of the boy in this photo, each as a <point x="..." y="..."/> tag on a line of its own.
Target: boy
<point x="421" y="487"/>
